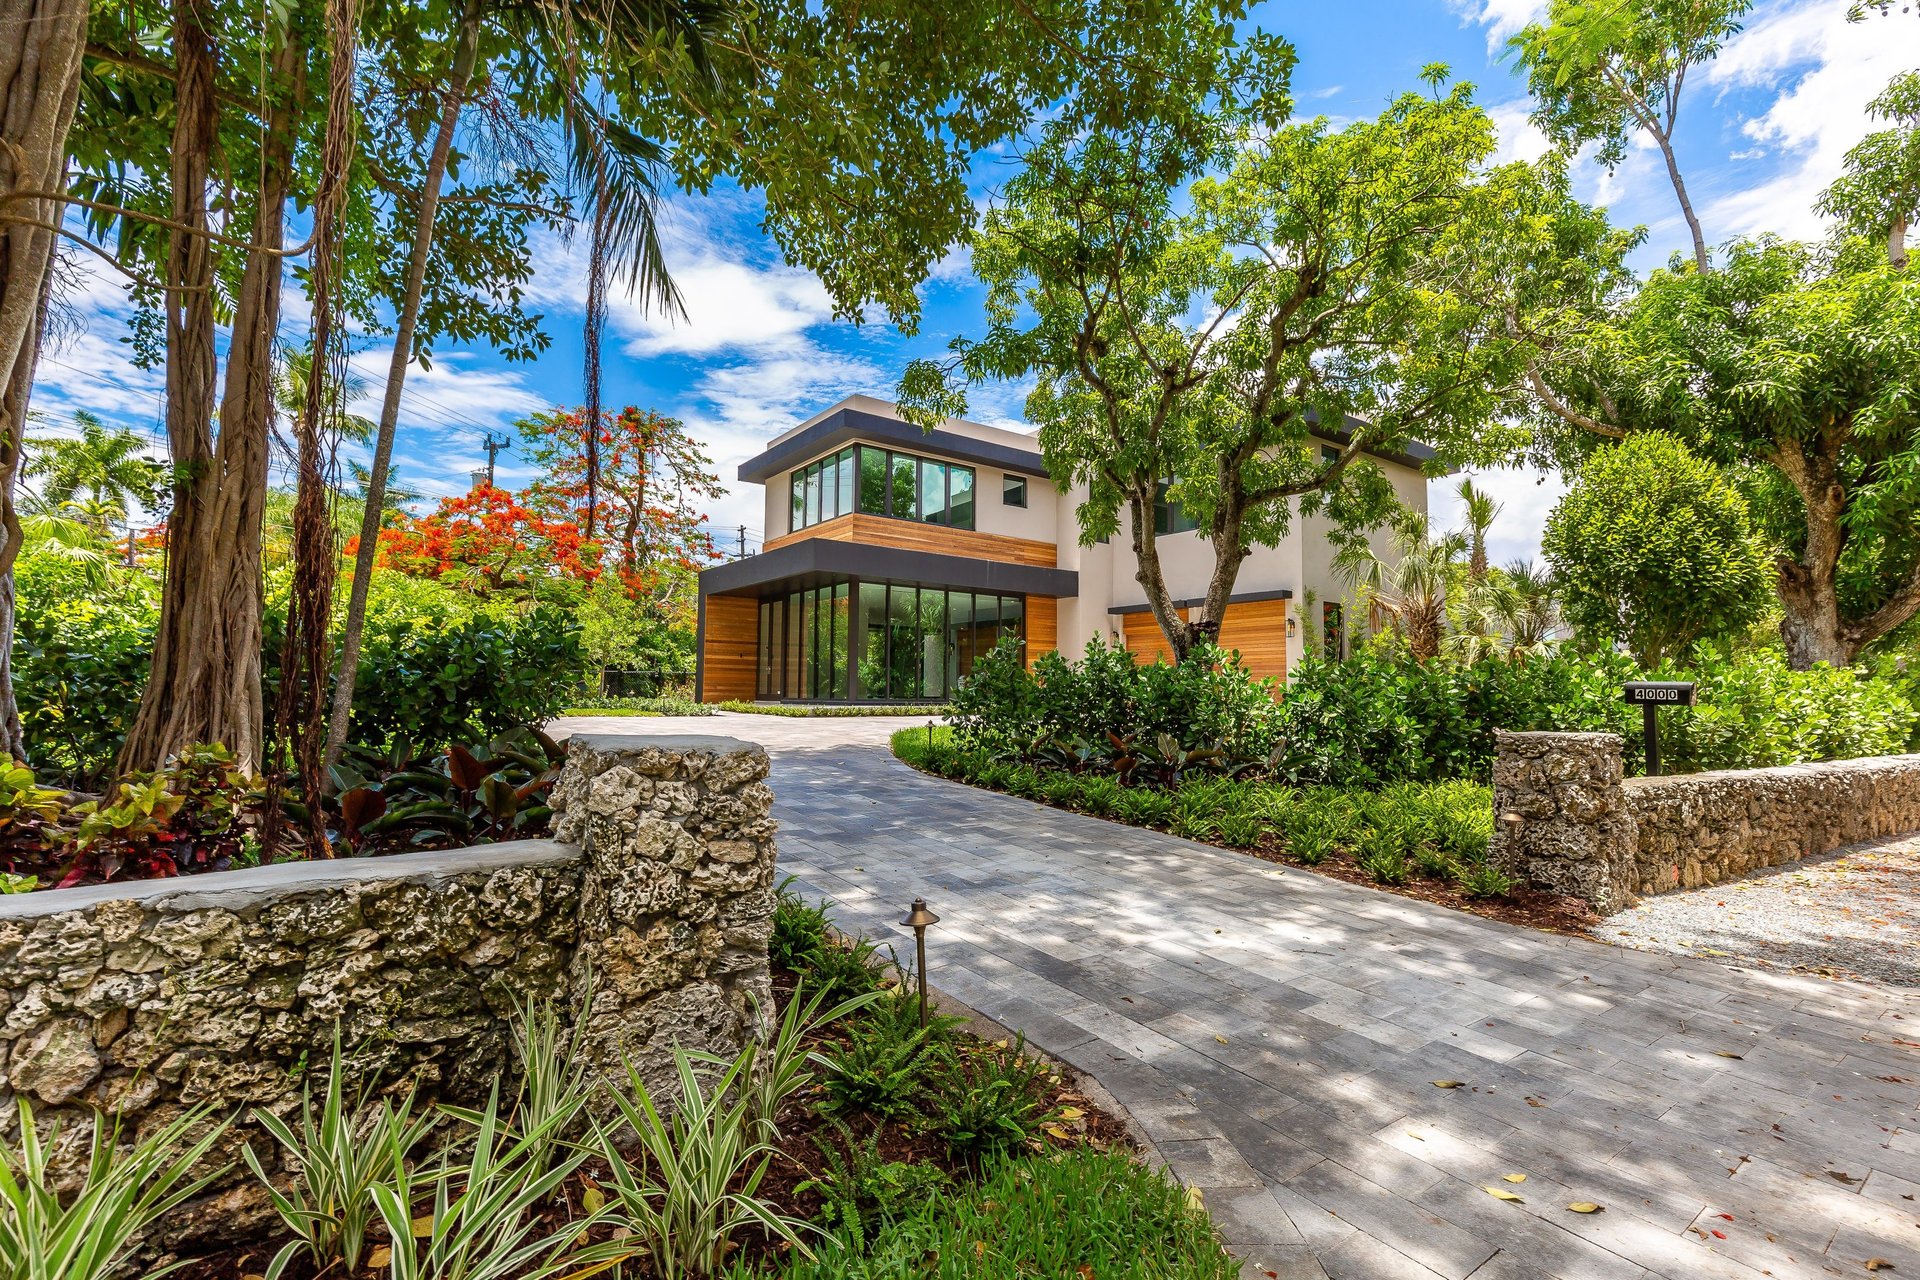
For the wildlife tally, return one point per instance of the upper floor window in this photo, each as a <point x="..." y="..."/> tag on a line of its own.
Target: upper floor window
<point x="821" y="490"/>
<point x="879" y="482"/>
<point x="1167" y="515"/>
<point x="1013" y="491"/>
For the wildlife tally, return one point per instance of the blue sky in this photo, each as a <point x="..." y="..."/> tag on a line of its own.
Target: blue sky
<point x="1763" y="131"/>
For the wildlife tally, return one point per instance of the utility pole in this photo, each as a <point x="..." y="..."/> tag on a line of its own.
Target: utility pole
<point x="743" y="542"/>
<point x="493" y="451"/>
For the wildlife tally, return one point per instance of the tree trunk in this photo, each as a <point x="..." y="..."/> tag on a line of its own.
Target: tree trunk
<point x="1686" y="204"/>
<point x="1146" y="554"/>
<point x="13" y="413"/>
<point x="1229" y="552"/>
<point x="1897" y="242"/>
<point x="353" y="627"/>
<point x="205" y="685"/>
<point x="40" y="46"/>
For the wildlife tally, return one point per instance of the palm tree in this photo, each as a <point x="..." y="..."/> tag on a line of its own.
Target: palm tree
<point x="1408" y="588"/>
<point x="98" y="473"/>
<point x="1481" y="511"/>
<point x="1532" y="610"/>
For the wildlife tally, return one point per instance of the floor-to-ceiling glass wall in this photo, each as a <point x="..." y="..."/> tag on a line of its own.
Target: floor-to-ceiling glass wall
<point x="878" y="641"/>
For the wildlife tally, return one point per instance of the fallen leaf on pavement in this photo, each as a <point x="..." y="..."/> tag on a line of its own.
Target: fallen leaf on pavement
<point x="1582" y="1206"/>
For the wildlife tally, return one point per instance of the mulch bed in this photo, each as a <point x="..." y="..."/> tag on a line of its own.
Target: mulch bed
<point x="798" y="1160"/>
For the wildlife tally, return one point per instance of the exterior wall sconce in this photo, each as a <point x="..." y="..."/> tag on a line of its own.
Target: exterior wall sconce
<point x="1293" y="627"/>
<point x="918" y="918"/>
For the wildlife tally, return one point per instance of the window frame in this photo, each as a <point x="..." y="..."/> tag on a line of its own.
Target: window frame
<point x="816" y="492"/>
<point x="1012" y="486"/>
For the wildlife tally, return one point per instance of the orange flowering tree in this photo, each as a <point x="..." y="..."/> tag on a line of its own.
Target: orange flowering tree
<point x="487" y="539"/>
<point x="654" y="481"/>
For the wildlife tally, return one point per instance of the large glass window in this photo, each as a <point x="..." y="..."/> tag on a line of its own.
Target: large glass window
<point x="960" y="497"/>
<point x="1167" y="515"/>
<point x="878" y="642"/>
<point x="878" y="482"/>
<point x="903" y="493"/>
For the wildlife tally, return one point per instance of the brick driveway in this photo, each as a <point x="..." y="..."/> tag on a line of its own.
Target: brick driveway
<point x="1276" y="1034"/>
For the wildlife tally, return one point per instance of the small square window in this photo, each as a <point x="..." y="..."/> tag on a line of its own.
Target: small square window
<point x="1013" y="491"/>
<point x="1329" y="454"/>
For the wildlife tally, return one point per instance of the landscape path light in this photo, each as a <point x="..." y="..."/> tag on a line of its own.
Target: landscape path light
<point x="918" y="918"/>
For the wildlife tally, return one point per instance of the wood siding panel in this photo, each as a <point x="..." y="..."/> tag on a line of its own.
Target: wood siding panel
<point x="910" y="535"/>
<point x="1043" y="627"/>
<point x="1144" y="639"/>
<point x="1258" y="629"/>
<point x="729" y="658"/>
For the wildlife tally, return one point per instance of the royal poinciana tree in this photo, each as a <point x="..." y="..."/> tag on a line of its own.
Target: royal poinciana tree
<point x="487" y="539"/>
<point x="1322" y="287"/>
<point x="653" y="484"/>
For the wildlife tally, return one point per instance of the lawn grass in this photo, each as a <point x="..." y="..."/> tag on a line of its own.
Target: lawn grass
<point x="609" y="711"/>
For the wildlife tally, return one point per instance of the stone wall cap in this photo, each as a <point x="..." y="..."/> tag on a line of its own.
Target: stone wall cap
<point x="251" y="886"/>
<point x="716" y="743"/>
<point x="1557" y="735"/>
<point x="1778" y="772"/>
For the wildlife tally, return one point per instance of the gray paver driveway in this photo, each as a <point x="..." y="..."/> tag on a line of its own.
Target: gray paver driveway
<point x="1277" y="1035"/>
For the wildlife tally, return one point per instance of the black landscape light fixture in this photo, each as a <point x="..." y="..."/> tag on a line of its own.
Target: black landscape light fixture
<point x="1650" y="696"/>
<point x="918" y="918"/>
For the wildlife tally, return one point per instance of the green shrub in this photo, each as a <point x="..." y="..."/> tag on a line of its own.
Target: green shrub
<point x="1210" y="700"/>
<point x="1081" y="1213"/>
<point x="986" y="1102"/>
<point x="880" y="1067"/>
<point x="802" y="941"/>
<point x="1485" y="881"/>
<point x="1380" y="718"/>
<point x="80" y="659"/>
<point x="861" y="1191"/>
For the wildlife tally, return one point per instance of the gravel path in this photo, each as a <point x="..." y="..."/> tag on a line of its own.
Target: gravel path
<point x="1854" y="913"/>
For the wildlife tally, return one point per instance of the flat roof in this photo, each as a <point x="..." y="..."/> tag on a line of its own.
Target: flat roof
<point x="847" y="423"/>
<point x="815" y="561"/>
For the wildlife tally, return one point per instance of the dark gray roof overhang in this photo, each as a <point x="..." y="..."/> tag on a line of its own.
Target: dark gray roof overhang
<point x="816" y="561"/>
<point x="847" y="425"/>
<point x="1248" y="597"/>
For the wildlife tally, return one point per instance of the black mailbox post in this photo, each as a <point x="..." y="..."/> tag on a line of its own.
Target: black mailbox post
<point x="1650" y="696"/>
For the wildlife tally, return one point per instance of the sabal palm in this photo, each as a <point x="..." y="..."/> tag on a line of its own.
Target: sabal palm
<point x="1531" y="611"/>
<point x="102" y="469"/>
<point x="1480" y="510"/>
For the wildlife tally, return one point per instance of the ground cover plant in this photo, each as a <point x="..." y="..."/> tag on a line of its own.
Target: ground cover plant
<point x="825" y="709"/>
<point x="851" y="1142"/>
<point x="1425" y="839"/>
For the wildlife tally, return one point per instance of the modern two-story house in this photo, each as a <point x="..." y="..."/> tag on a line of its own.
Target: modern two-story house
<point x="895" y="557"/>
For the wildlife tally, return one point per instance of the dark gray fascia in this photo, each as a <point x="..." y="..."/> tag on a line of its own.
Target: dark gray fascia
<point x="814" y="560"/>
<point x="847" y="426"/>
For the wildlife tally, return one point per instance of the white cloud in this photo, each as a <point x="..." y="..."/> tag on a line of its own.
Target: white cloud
<point x="453" y="394"/>
<point x="1525" y="497"/>
<point x="1519" y="138"/>
<point x="736" y="409"/>
<point x="1823" y="71"/>
<point x="1501" y="18"/>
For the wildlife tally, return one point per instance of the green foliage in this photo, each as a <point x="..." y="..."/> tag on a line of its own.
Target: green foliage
<point x="338" y="1152"/>
<point x="434" y="668"/>
<point x="861" y="1190"/>
<point x="1654" y="546"/>
<point x="1879" y="195"/>
<point x="822" y="710"/>
<point x="1100" y="1211"/>
<point x="478" y="1202"/>
<point x="1209" y="701"/>
<point x="80" y="656"/>
<point x="593" y="704"/>
<point x="803" y="942"/>
<point x="52" y="1231"/>
<point x="879" y="1066"/>
<point x="698" y="1183"/>
<point x="989" y="1101"/>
